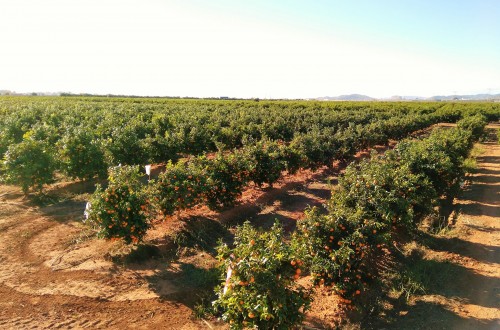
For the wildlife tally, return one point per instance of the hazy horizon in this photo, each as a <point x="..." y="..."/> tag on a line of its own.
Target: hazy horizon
<point x="266" y="49"/>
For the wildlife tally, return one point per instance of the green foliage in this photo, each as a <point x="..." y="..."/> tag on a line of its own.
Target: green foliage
<point x="29" y="164"/>
<point x="82" y="156"/>
<point x="292" y="158"/>
<point x="383" y="189"/>
<point x="180" y="186"/>
<point x="226" y="177"/>
<point x="316" y="147"/>
<point x="376" y="196"/>
<point x="122" y="209"/>
<point x="266" y="161"/>
<point x="440" y="158"/>
<point x="474" y="124"/>
<point x="261" y="291"/>
<point x="128" y="145"/>
<point x="140" y="131"/>
<point x="339" y="250"/>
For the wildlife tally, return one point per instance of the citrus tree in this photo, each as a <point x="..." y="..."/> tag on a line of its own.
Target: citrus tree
<point x="226" y="177"/>
<point x="266" y="162"/>
<point x="180" y="186"/>
<point x="260" y="289"/>
<point x="82" y="155"/>
<point x="29" y="164"/>
<point x="122" y="209"/>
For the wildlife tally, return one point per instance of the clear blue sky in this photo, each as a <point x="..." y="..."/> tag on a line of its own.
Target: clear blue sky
<point x="293" y="49"/>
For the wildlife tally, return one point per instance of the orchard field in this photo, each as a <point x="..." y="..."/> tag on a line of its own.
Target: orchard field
<point x="256" y="213"/>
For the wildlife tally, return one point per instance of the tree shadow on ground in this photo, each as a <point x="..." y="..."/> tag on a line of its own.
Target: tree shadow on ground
<point x="488" y="159"/>
<point x="487" y="171"/>
<point x="65" y="210"/>
<point x="477" y="251"/>
<point x="478" y="209"/>
<point x="486" y="178"/>
<point x="74" y="187"/>
<point x="428" y="315"/>
<point x="202" y="233"/>
<point x="436" y="278"/>
<point x="185" y="283"/>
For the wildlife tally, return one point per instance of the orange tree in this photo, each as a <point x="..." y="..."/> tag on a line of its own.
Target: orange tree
<point x="226" y="177"/>
<point x="122" y="209"/>
<point x="29" y="164"/>
<point x="440" y="157"/>
<point x="397" y="189"/>
<point x="266" y="162"/>
<point x="180" y="186"/>
<point x="339" y="249"/>
<point x="384" y="189"/>
<point x="372" y="198"/>
<point x="259" y="288"/>
<point x="82" y="155"/>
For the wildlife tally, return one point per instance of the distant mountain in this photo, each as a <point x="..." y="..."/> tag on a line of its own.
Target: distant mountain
<point x="360" y="97"/>
<point x="350" y="97"/>
<point x="476" y="97"/>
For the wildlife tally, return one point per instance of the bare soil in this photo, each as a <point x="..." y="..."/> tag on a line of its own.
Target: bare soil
<point x="55" y="274"/>
<point x="462" y="262"/>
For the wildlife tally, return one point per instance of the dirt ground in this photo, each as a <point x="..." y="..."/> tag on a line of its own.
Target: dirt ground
<point x="54" y="274"/>
<point x="464" y="262"/>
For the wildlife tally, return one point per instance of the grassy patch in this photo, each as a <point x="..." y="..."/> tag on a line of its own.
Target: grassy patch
<point x="477" y="150"/>
<point x="417" y="274"/>
<point x="470" y="164"/>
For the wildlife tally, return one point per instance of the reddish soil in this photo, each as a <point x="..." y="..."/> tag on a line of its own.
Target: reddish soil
<point x="56" y="274"/>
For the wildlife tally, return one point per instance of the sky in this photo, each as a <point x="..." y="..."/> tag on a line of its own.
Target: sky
<point x="257" y="48"/>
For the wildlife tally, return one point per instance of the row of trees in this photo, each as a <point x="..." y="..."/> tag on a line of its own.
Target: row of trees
<point x="37" y="143"/>
<point x="374" y="199"/>
<point x="218" y="181"/>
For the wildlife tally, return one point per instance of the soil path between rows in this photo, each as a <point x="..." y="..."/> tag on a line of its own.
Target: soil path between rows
<point x="469" y="257"/>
